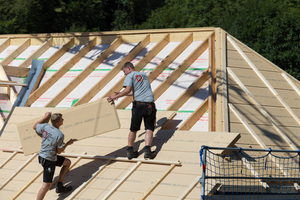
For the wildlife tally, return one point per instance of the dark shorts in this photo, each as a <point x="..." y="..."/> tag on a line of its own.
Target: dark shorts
<point x="49" y="167"/>
<point x="140" y="111"/>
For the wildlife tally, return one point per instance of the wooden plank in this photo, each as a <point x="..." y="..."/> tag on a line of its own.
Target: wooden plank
<point x="193" y="118"/>
<point x="158" y="182"/>
<point x="37" y="93"/>
<point x="112" y="190"/>
<point x="4" y="44"/>
<point x="9" y="158"/>
<point x="292" y="84"/>
<point x="16" y="71"/>
<point x="262" y="110"/>
<point x="10" y="83"/>
<point x="113" y="72"/>
<point x="193" y="88"/>
<point x="189" y="189"/>
<point x="12" y="95"/>
<point x="160" y="68"/>
<point x="212" y="85"/>
<point x="18" y="171"/>
<point x="224" y="84"/>
<point x="259" y="74"/>
<point x="16" y="52"/>
<point x="80" y="122"/>
<point x="141" y="64"/>
<point x="85" y="73"/>
<point x="180" y="69"/>
<point x="36" y="54"/>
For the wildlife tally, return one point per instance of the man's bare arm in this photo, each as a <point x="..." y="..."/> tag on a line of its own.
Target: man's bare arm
<point x="45" y="119"/>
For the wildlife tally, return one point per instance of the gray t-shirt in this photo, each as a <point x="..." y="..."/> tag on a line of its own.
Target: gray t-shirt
<point x="52" y="138"/>
<point x="140" y="85"/>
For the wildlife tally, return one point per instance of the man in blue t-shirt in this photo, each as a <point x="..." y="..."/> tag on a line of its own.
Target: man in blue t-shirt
<point x="52" y="144"/>
<point x="137" y="84"/>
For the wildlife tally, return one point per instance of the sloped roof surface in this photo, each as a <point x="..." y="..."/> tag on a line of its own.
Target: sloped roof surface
<point x="211" y="85"/>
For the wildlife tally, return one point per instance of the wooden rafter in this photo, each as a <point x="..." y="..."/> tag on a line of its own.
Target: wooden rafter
<point x="193" y="88"/>
<point x="113" y="72"/>
<point x="142" y="63"/>
<point x="212" y="85"/>
<point x="4" y="45"/>
<point x="16" y="52"/>
<point x="85" y="73"/>
<point x="180" y="69"/>
<point x="161" y="67"/>
<point x="36" y="54"/>
<point x="38" y="92"/>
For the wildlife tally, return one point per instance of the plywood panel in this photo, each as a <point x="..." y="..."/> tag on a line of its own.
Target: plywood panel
<point x="248" y="77"/>
<point x="81" y="122"/>
<point x="290" y="97"/>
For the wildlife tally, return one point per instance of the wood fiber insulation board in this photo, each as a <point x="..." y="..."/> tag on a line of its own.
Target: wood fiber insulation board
<point x="172" y="146"/>
<point x="82" y="121"/>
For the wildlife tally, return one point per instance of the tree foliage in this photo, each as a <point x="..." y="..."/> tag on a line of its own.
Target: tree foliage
<point x="270" y="27"/>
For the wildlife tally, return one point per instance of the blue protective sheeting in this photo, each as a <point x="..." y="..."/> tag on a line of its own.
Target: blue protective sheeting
<point x="35" y="70"/>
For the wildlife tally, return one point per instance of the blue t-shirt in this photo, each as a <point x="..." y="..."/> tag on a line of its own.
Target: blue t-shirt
<point x="52" y="138"/>
<point x="140" y="85"/>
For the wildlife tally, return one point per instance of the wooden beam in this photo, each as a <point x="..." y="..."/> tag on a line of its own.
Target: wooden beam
<point x="113" y="72"/>
<point x="193" y="88"/>
<point x="16" y="71"/>
<point x="161" y="67"/>
<point x="291" y="83"/>
<point x="180" y="69"/>
<point x="158" y="182"/>
<point x="4" y="44"/>
<point x="10" y="83"/>
<point x="12" y="95"/>
<point x="259" y="74"/>
<point x="193" y="118"/>
<point x="37" y="53"/>
<point x="212" y="85"/>
<point x="189" y="189"/>
<point x="85" y="73"/>
<point x="261" y="109"/>
<point x="142" y="63"/>
<point x="35" y="95"/>
<point x="112" y="190"/>
<point x="9" y="158"/>
<point x="224" y="93"/>
<point x="16" y="52"/>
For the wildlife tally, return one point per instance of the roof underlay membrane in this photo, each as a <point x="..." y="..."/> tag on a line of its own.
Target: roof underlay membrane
<point x="210" y="89"/>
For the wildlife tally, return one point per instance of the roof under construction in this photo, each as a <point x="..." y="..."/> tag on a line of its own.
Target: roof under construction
<point x="209" y="88"/>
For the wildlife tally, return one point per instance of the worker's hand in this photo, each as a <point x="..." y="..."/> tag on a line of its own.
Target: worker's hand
<point x="69" y="142"/>
<point x="111" y="99"/>
<point x="48" y="114"/>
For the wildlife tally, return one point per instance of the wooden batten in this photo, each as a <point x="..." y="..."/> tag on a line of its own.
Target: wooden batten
<point x="4" y="44"/>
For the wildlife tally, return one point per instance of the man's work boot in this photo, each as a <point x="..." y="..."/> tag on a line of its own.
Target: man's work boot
<point x="149" y="154"/>
<point x="132" y="154"/>
<point x="60" y="188"/>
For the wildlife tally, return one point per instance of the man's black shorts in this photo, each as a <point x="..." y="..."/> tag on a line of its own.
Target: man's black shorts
<point x="49" y="167"/>
<point x="143" y="110"/>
